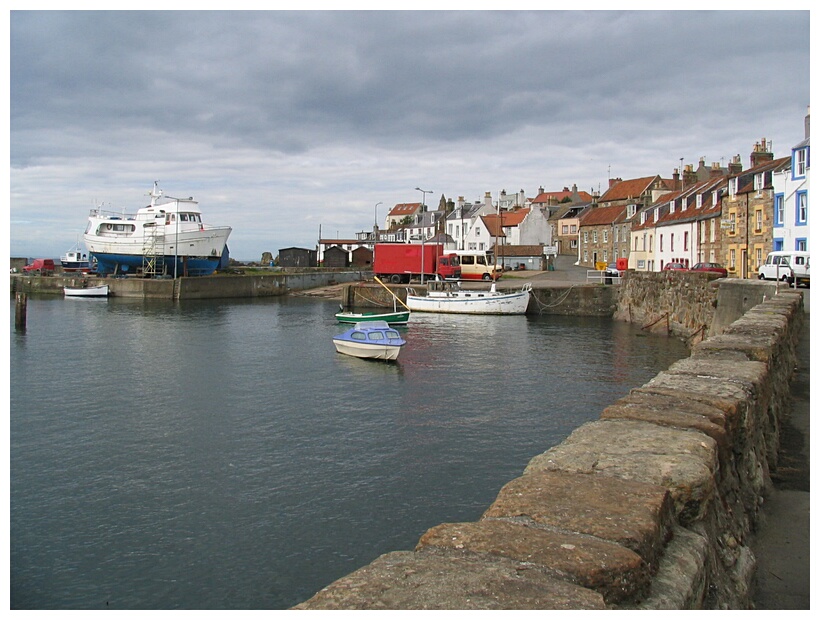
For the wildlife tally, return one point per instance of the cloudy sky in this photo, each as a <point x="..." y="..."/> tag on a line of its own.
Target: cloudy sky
<point x="285" y="124"/>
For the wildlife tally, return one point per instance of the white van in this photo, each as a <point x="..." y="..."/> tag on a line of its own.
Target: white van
<point x="477" y="265"/>
<point x="787" y="266"/>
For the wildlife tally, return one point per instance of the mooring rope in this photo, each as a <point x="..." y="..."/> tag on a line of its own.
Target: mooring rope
<point x="542" y="306"/>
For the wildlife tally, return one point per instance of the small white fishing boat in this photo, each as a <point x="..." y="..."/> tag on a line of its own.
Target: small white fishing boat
<point x="370" y="340"/>
<point x="449" y="297"/>
<point x="88" y="291"/>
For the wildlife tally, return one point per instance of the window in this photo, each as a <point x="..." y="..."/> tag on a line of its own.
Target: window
<point x="643" y="217"/>
<point x="732" y="187"/>
<point x="606" y="236"/>
<point x="713" y="231"/>
<point x="758" y="257"/>
<point x="672" y="242"/>
<point x="698" y="201"/>
<point x="477" y="231"/>
<point x="685" y="240"/>
<point x="802" y="208"/>
<point x="799" y="166"/>
<point x="586" y="236"/>
<point x="650" y="243"/>
<point x="630" y="210"/>
<point x="594" y="236"/>
<point x="660" y="243"/>
<point x="731" y="259"/>
<point x="572" y="229"/>
<point x="564" y="229"/>
<point x="777" y="244"/>
<point x="644" y="242"/>
<point x="801" y="245"/>
<point x="573" y="243"/>
<point x="606" y="256"/>
<point x="672" y="207"/>
<point x="758" y="220"/>
<point x="586" y="256"/>
<point x="759" y="183"/>
<point x="636" y="243"/>
<point x="732" y="223"/>
<point x="615" y="235"/>
<point x="779" y="210"/>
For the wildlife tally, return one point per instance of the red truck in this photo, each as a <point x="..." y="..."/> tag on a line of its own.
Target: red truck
<point x="398" y="262"/>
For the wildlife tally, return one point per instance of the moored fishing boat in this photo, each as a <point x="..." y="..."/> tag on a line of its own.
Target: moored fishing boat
<point x="166" y="238"/>
<point x="449" y="297"/>
<point x="370" y="340"/>
<point x="90" y="291"/>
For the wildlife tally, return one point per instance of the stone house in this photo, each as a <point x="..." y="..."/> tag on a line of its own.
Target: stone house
<point x="748" y="211"/>
<point x="565" y="226"/>
<point x="604" y="235"/>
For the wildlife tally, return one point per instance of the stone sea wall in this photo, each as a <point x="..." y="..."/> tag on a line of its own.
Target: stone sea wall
<point x="649" y="507"/>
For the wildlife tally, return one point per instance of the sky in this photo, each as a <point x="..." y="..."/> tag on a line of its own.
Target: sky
<point x="288" y="125"/>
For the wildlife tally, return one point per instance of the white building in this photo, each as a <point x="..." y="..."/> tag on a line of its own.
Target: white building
<point x="791" y="200"/>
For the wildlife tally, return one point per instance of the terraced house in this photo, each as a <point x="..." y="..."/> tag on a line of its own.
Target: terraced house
<point x="604" y="230"/>
<point x="747" y="223"/>
<point x="791" y="199"/>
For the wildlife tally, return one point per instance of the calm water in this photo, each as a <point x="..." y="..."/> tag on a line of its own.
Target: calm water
<point x="219" y="455"/>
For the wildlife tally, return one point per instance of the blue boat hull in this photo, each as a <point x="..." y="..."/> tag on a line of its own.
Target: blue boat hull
<point x="130" y="263"/>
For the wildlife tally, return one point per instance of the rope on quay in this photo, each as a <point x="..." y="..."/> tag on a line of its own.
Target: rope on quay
<point x="542" y="306"/>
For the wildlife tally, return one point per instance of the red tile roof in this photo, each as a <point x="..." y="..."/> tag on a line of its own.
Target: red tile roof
<point x="624" y="190"/>
<point x="405" y="208"/>
<point x="603" y="215"/>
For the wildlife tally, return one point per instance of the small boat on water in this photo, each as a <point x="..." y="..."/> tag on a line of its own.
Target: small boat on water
<point x="370" y="340"/>
<point x="449" y="297"/>
<point x="391" y="318"/>
<point x="88" y="291"/>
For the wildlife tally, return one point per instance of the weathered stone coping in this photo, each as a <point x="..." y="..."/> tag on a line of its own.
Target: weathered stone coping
<point x="649" y="507"/>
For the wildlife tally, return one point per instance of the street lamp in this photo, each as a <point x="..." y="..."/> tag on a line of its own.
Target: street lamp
<point x="424" y="193"/>
<point x="376" y="222"/>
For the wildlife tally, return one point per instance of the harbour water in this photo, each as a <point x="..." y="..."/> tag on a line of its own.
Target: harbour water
<point x="222" y="455"/>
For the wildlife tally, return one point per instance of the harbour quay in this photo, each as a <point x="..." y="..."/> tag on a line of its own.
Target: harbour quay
<point x="217" y="286"/>
<point x="654" y="505"/>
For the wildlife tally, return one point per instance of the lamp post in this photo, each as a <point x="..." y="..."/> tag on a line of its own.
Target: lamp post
<point x="376" y="222"/>
<point x="424" y="193"/>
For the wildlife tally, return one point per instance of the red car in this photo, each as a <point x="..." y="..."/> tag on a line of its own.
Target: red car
<point x="711" y="268"/>
<point x="674" y="267"/>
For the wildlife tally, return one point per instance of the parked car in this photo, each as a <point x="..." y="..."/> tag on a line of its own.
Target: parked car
<point x="612" y="270"/>
<point x="711" y="268"/>
<point x="674" y="267"/>
<point x="43" y="266"/>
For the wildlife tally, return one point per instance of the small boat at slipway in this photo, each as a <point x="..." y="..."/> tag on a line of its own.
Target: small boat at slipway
<point x="370" y="340"/>
<point x="391" y="318"/>
<point x="166" y="238"/>
<point x="89" y="291"/>
<point x="75" y="261"/>
<point x="396" y="317"/>
<point x="449" y="297"/>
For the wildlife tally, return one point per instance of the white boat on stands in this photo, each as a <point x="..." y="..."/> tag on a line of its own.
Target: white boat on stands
<point x="168" y="237"/>
<point x="89" y="291"/>
<point x="449" y="297"/>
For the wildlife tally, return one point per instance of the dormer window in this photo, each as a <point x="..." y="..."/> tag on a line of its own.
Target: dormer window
<point x="732" y="187"/>
<point x="630" y="210"/>
<point x="643" y="217"/>
<point x="656" y="214"/>
<point x="672" y="206"/>
<point x="800" y="162"/>
<point x="698" y="201"/>
<point x="760" y="181"/>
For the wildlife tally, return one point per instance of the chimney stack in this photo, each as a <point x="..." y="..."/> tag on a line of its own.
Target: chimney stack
<point x="761" y="153"/>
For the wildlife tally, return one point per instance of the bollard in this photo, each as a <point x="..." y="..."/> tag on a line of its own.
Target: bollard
<point x="20" y="311"/>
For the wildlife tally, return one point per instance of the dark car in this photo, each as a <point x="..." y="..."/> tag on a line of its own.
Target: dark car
<point x="674" y="267"/>
<point x="711" y="268"/>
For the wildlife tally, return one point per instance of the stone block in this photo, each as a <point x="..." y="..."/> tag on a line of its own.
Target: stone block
<point x="682" y="461"/>
<point x="616" y="572"/>
<point x="635" y="515"/>
<point x="671" y="411"/>
<point x="432" y="579"/>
